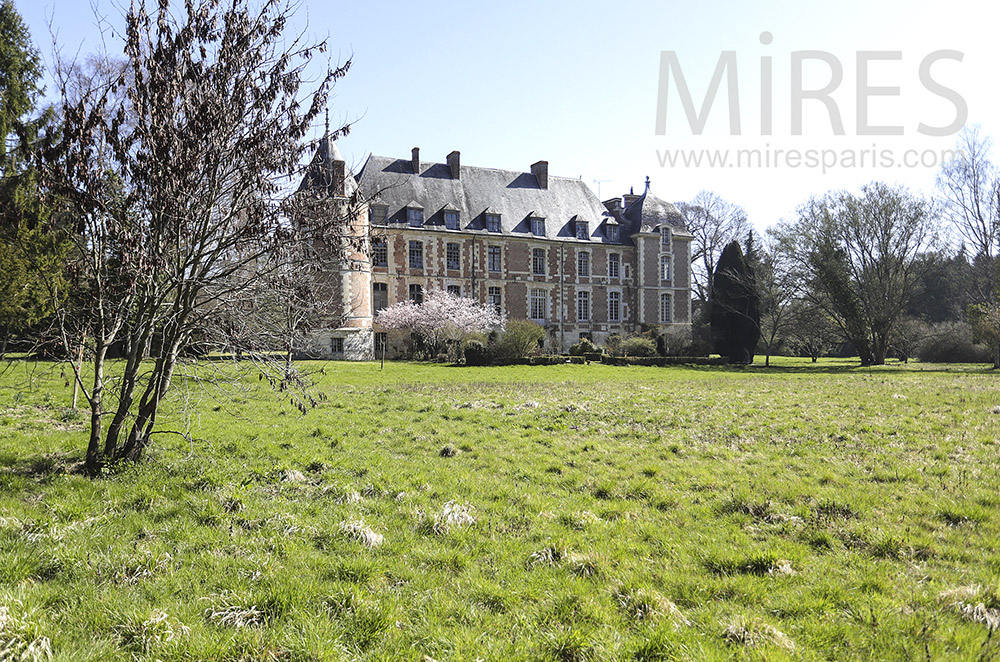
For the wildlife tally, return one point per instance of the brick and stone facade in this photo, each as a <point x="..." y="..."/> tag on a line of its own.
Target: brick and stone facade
<point x="550" y="249"/>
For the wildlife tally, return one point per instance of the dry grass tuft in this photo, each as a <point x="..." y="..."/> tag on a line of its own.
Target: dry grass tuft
<point x="755" y="634"/>
<point x="453" y="515"/>
<point x="361" y="532"/>
<point x="21" y="638"/>
<point x="974" y="603"/>
<point x="235" y="613"/>
<point x="549" y="556"/>
<point x="293" y="476"/>
<point x="143" y="635"/>
<point x="643" y="604"/>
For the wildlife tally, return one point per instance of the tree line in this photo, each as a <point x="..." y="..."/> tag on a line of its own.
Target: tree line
<point x="881" y="272"/>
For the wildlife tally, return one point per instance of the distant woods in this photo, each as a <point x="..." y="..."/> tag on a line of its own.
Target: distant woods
<point x="882" y="272"/>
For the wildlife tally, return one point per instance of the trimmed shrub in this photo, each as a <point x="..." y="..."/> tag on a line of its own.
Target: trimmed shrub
<point x="639" y="346"/>
<point x="585" y="346"/>
<point x="476" y="353"/>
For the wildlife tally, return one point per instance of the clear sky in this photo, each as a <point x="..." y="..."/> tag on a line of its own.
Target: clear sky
<point x="576" y="83"/>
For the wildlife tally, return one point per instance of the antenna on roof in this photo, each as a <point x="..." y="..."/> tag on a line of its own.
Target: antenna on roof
<point x="599" y="182"/>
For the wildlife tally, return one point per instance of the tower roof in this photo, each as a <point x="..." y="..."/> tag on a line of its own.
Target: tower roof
<point x="648" y="212"/>
<point x="322" y="173"/>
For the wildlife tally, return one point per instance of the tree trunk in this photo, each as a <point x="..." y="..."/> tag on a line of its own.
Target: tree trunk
<point x="93" y="462"/>
<point x="159" y="383"/>
<point x="137" y="343"/>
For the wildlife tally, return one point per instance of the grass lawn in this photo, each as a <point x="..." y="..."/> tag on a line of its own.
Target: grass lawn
<point x="805" y="512"/>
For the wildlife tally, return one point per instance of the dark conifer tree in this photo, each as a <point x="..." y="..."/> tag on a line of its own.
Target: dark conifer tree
<point x="735" y="307"/>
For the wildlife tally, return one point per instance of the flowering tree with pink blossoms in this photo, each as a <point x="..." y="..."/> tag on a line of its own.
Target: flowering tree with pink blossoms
<point x="442" y="321"/>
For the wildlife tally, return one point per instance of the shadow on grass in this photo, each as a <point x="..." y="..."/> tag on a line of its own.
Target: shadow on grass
<point x="891" y="367"/>
<point x="42" y="466"/>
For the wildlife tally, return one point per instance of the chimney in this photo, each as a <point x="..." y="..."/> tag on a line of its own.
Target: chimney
<point x="541" y="172"/>
<point x="455" y="165"/>
<point x="629" y="197"/>
<point x="416" y="160"/>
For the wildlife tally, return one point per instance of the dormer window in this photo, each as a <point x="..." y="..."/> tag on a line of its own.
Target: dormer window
<point x="451" y="219"/>
<point x="415" y="217"/>
<point x="537" y="226"/>
<point x="665" y="239"/>
<point x="378" y="214"/>
<point x="493" y="222"/>
<point x="582" y="231"/>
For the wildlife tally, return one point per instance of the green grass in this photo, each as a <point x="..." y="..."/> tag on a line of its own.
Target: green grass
<point x="579" y="513"/>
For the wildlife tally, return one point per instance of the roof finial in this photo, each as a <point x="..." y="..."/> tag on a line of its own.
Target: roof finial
<point x="647" y="183"/>
<point x="327" y="131"/>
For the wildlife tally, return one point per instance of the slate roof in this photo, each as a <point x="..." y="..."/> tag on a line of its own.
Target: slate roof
<point x="648" y="212"/>
<point x="320" y="171"/>
<point x="516" y="196"/>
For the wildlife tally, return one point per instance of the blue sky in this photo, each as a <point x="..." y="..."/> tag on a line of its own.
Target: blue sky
<point x="576" y="84"/>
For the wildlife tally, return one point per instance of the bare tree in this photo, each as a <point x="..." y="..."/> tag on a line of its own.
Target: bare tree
<point x="811" y="331"/>
<point x="177" y="193"/>
<point x="970" y="185"/>
<point x="715" y="223"/>
<point x="778" y="287"/>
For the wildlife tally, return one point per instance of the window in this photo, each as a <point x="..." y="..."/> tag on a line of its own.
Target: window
<point x="337" y="345"/>
<point x="380" y="253"/>
<point x="415" y="217"/>
<point x="665" y="239"/>
<point x="453" y="257"/>
<point x="495" y="300"/>
<point x="493" y="259"/>
<point x="493" y="222"/>
<point x="613" y="233"/>
<point x="583" y="264"/>
<point x="538" y="261"/>
<point x="665" y="264"/>
<point x="416" y="255"/>
<point x="451" y="220"/>
<point x="380" y="297"/>
<point x="614" y="306"/>
<point x="666" y="308"/>
<point x="455" y="290"/>
<point x="539" y="304"/>
<point x="416" y="293"/>
<point x="614" y="265"/>
<point x="582" y="306"/>
<point x="538" y="227"/>
<point x="582" y="231"/>
<point x="379" y="212"/>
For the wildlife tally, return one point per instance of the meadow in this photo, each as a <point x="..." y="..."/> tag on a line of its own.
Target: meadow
<point x="428" y="512"/>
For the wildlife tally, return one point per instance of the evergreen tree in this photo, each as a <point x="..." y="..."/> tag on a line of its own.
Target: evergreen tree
<point x="31" y="257"/>
<point x="735" y="306"/>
